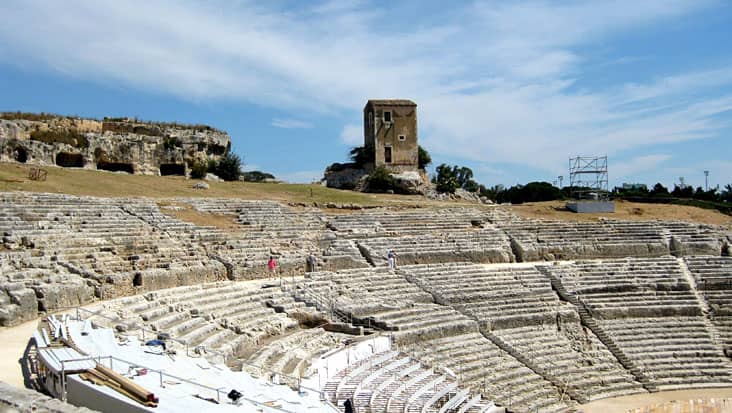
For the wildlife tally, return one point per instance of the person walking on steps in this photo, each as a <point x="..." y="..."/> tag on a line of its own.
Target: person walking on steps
<point x="347" y="406"/>
<point x="391" y="257"/>
<point x="272" y="265"/>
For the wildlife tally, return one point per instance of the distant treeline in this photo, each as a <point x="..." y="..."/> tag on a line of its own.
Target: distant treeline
<point x="450" y="178"/>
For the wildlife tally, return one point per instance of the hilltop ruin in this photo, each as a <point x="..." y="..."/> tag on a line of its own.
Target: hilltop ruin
<point x="112" y="144"/>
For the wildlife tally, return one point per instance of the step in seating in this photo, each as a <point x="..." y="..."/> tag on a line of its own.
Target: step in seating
<point x="674" y="352"/>
<point x="687" y="239"/>
<point x="575" y="356"/>
<point x="483" y="367"/>
<point x="393" y="382"/>
<point x="629" y="287"/>
<point x="496" y="297"/>
<point x="484" y="245"/>
<point x="290" y="355"/>
<point x="418" y="221"/>
<point x="265" y="217"/>
<point x="544" y="240"/>
<point x="224" y="317"/>
<point x="341" y="254"/>
<point x="103" y="242"/>
<point x="713" y="277"/>
<point x="360" y="292"/>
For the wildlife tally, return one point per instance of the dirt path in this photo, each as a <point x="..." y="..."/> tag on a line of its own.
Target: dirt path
<point x="623" y="404"/>
<point x="13" y="341"/>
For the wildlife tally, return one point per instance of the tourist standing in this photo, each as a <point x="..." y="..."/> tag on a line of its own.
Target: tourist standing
<point x="391" y="258"/>
<point x="272" y="265"/>
<point x="310" y="263"/>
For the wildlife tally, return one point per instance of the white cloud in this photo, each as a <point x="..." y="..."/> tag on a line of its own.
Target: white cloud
<point x="352" y="134"/>
<point x="291" y="123"/>
<point x="626" y="169"/>
<point x="494" y="81"/>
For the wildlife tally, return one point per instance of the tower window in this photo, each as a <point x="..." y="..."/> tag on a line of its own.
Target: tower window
<point x="402" y="137"/>
<point x="387" y="154"/>
<point x="387" y="116"/>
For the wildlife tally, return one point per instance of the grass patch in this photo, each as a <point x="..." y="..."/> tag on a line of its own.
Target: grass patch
<point x="108" y="184"/>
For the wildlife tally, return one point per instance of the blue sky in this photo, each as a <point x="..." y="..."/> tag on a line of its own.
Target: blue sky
<point x="510" y="89"/>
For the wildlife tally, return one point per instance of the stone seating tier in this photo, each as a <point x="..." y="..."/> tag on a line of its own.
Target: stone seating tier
<point x="576" y="356"/>
<point x="477" y="246"/>
<point x="674" y="352"/>
<point x="496" y="297"/>
<point x="406" y="222"/>
<point x="199" y="315"/>
<point x="392" y="382"/>
<point x="483" y="367"/>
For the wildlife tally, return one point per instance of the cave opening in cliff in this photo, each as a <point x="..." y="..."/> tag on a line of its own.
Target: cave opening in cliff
<point x="216" y="150"/>
<point x="20" y="155"/>
<point x="70" y="160"/>
<point x="116" y="167"/>
<point x="172" y="169"/>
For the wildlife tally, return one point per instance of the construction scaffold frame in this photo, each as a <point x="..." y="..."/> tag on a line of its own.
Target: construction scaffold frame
<point x="588" y="178"/>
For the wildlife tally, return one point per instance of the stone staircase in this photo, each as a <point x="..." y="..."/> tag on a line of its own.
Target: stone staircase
<point x="588" y="321"/>
<point x="503" y="345"/>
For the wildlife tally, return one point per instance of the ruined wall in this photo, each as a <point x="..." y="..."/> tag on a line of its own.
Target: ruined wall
<point x="121" y="145"/>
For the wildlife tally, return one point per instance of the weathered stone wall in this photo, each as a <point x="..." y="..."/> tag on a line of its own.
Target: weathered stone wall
<point x="140" y="148"/>
<point x="13" y="399"/>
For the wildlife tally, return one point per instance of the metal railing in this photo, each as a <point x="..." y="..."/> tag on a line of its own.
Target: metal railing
<point x="162" y="375"/>
<point x="291" y="381"/>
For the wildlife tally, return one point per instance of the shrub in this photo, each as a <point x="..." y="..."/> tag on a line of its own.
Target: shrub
<point x="380" y="180"/>
<point x="199" y="170"/>
<point x="171" y="143"/>
<point x="256" y="176"/>
<point x="229" y="167"/>
<point x="423" y="157"/>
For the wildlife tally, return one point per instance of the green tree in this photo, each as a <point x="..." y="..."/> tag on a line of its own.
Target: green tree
<point x="659" y="190"/>
<point x="727" y="193"/>
<point x="361" y="155"/>
<point x="199" y="170"/>
<point x="423" y="157"/>
<point x="446" y="180"/>
<point x="229" y="167"/>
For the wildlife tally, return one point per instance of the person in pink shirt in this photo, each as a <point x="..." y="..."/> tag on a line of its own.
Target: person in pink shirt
<point x="272" y="265"/>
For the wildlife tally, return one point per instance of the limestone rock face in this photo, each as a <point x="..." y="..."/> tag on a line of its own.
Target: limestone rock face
<point x="120" y="145"/>
<point x="17" y="304"/>
<point x="349" y="176"/>
<point x="345" y="176"/>
<point x="410" y="182"/>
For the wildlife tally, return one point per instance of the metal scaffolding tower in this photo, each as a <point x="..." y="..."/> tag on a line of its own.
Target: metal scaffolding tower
<point x="588" y="177"/>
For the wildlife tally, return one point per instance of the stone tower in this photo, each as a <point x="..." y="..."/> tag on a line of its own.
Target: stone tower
<point x="390" y="126"/>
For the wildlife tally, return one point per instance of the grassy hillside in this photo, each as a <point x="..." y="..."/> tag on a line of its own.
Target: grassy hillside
<point x="14" y="177"/>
